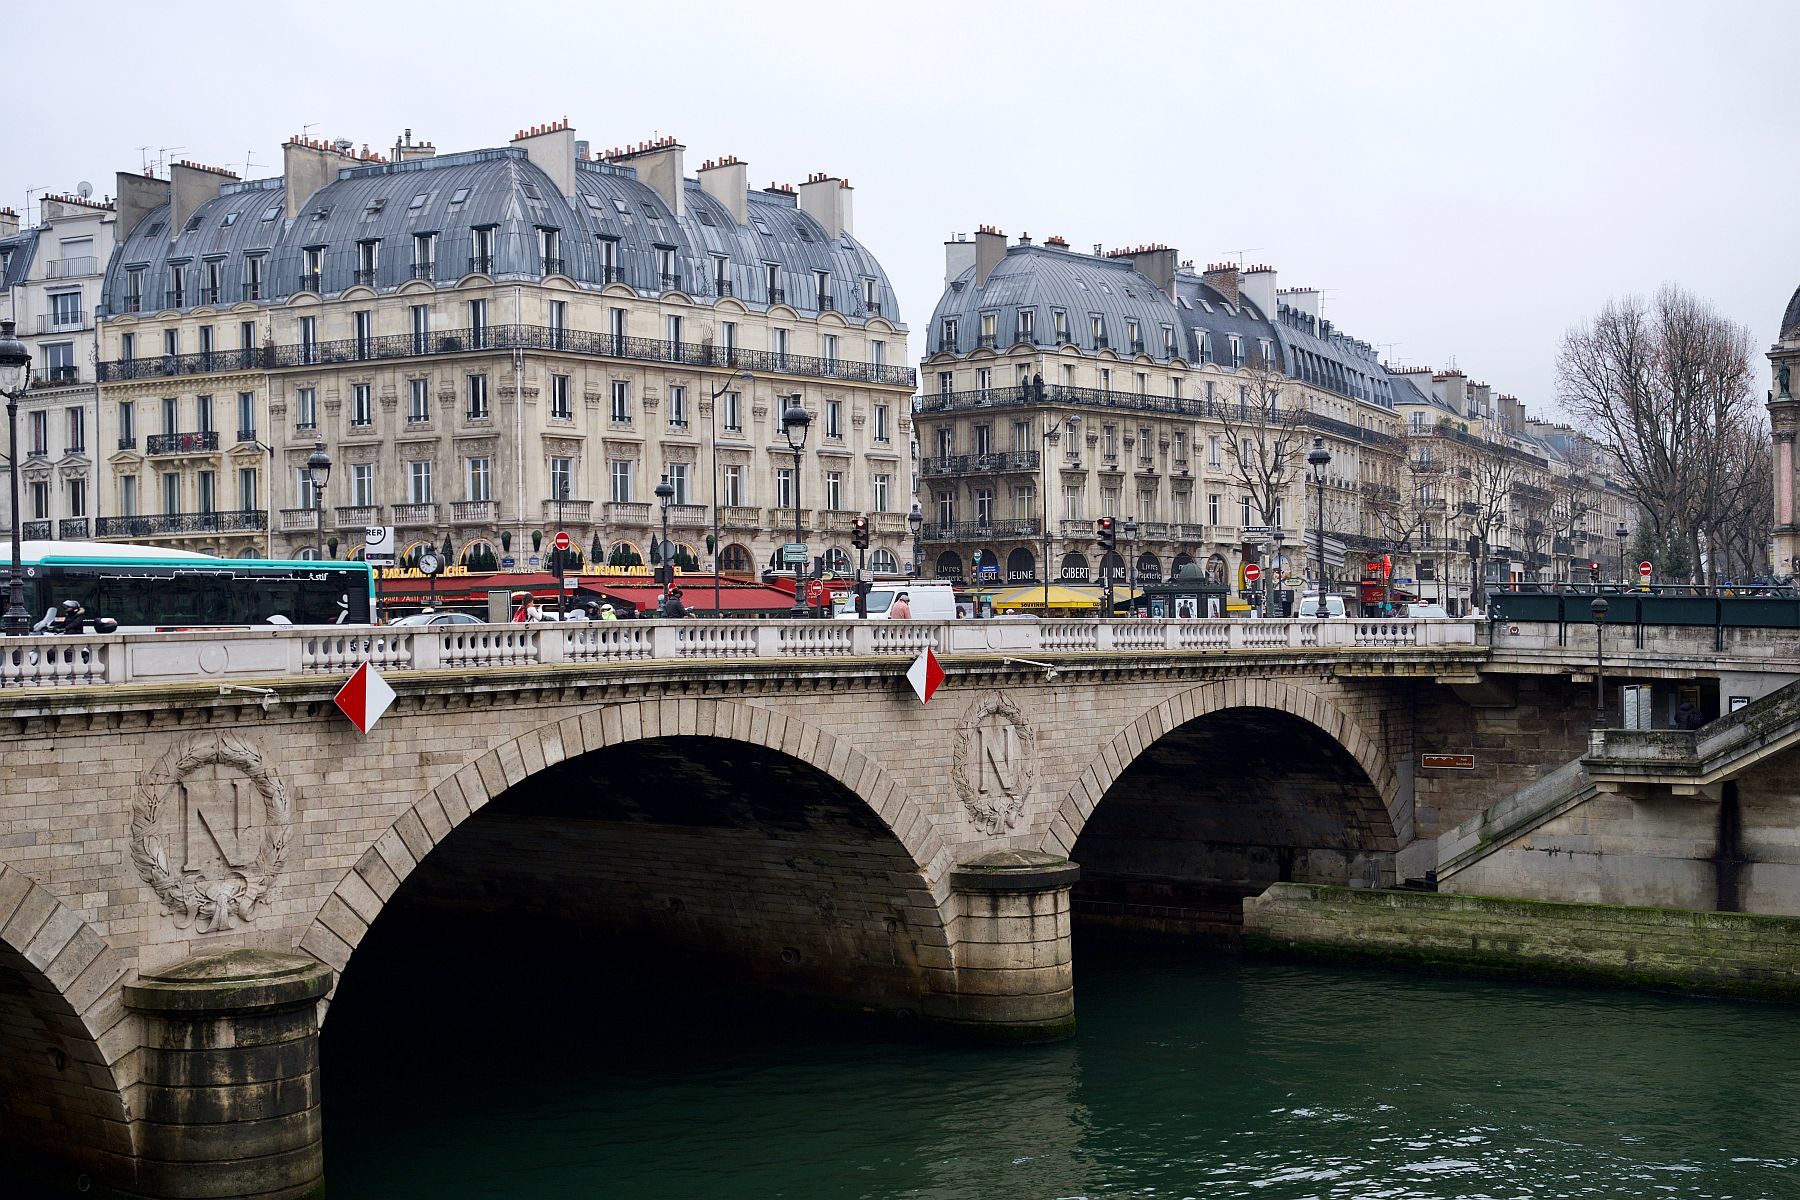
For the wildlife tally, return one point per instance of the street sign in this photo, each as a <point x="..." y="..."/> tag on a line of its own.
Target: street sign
<point x="1645" y="569"/>
<point x="925" y="675"/>
<point x="1448" y="762"/>
<point x="364" y="697"/>
<point x="378" y="545"/>
<point x="794" y="552"/>
<point x="1252" y="573"/>
<point x="561" y="540"/>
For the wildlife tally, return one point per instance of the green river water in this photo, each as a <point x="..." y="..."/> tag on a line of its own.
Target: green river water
<point x="1192" y="1076"/>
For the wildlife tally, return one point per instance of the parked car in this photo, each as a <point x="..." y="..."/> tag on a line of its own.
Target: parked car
<point x="437" y="618"/>
<point x="928" y="601"/>
<point x="1309" y="607"/>
<point x="1426" y="609"/>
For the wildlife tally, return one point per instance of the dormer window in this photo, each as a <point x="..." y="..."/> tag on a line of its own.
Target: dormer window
<point x="550" y="250"/>
<point x="1027" y="325"/>
<point x="319" y="214"/>
<point x="459" y="195"/>
<point x="481" y="249"/>
<point x="375" y="207"/>
<point x="271" y="212"/>
<point x="418" y="201"/>
<point x="1060" y="319"/>
<point x="193" y="223"/>
<point x="230" y="220"/>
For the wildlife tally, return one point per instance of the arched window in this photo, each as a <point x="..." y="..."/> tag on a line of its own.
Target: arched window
<point x="306" y="554"/>
<point x="1149" y="568"/>
<point x="838" y="559"/>
<point x="949" y="566"/>
<point x="479" y="556"/>
<point x="1181" y="560"/>
<point x="736" y="559"/>
<point x="624" y="554"/>
<point x="1215" y="569"/>
<point x="249" y="552"/>
<point x="1021" y="566"/>
<point x="1075" y="568"/>
<point x="1112" y="567"/>
<point x="884" y="562"/>
<point x="984" y="564"/>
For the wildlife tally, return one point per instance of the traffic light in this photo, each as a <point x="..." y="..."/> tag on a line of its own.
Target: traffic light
<point x="1594" y="571"/>
<point x="859" y="533"/>
<point x="1105" y="534"/>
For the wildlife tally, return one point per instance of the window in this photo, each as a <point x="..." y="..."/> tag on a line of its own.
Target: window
<point x="946" y="439"/>
<point x="665" y="265"/>
<point x="361" y="405"/>
<point x="127" y="424"/>
<point x="177" y="297"/>
<point x="1237" y="350"/>
<point x="734" y="412"/>
<point x="481" y="248"/>
<point x="362" y="485"/>
<point x="478" y="478"/>
<point x="128" y="347"/>
<point x="309" y="339"/>
<point x="947" y="336"/>
<point x="559" y="397"/>
<point x="253" y="277"/>
<point x="883" y="430"/>
<point x="363" y="323"/>
<point x="878" y="354"/>
<point x="772" y="283"/>
<point x="822" y="283"/>
<point x="1060" y="318"/>
<point x="77" y="493"/>
<point x="171" y="414"/>
<point x="59" y="362"/>
<point x="247" y="490"/>
<point x="171" y="342"/>
<point x="984" y="439"/>
<point x="304" y="494"/>
<point x="203" y="414"/>
<point x="1134" y="337"/>
<point x="678" y="479"/>
<point x="1212" y="508"/>
<point x="40" y="501"/>
<point x="834" y="490"/>
<point x="1244" y="511"/>
<point x="619" y="469"/>
<point x="984" y="379"/>
<point x="678" y="418"/>
<point x="478" y="324"/>
<point x="562" y="478"/>
<point x="77" y="422"/>
<point x="728" y="337"/>
<point x="831" y="351"/>
<point x="621" y="400"/>
<point x="984" y="506"/>
<point x="128" y="496"/>
<point x="734" y="486"/>
<point x="368" y="260"/>
<point x="872" y="296"/>
<point x="880" y="488"/>
<point x="550" y="250"/>
<point x="39" y="425"/>
<point x="609" y="260"/>
<point x="780" y="338"/>
<point x="1072" y="502"/>
<point x="418" y="481"/>
<point x="65" y="308"/>
<point x="424" y="253"/>
<point x="421" y="328"/>
<point x="478" y="398"/>
<point x="246" y="335"/>
<point x="171" y="486"/>
<point x="946" y="506"/>
<point x="1027" y="325"/>
<point x="946" y="382"/>
<point x="559" y="324"/>
<point x="419" y="404"/>
<point x="784" y="487"/>
<point x="312" y="266"/>
<point x="834" y="418"/>
<point x="134" y="289"/>
<point x="1099" y="330"/>
<point x="721" y="274"/>
<point x="306" y="409"/>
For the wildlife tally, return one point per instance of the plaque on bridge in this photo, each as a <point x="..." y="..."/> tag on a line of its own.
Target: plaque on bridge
<point x="1447" y="762"/>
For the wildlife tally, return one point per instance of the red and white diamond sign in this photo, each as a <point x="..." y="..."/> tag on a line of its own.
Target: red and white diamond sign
<point x="364" y="697"/>
<point x="925" y="675"/>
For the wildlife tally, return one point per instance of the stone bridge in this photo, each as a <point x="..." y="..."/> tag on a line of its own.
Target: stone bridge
<point x="196" y="845"/>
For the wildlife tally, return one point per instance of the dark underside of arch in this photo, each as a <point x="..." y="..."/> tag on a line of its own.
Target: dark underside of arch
<point x="1219" y="809"/>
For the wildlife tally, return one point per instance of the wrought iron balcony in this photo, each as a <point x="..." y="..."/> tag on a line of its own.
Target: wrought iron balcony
<point x="424" y="270"/>
<point x="309" y="282"/>
<point x="208" y="295"/>
<point x="365" y="276"/>
<point x="553" y="266"/>
<point x="128" y="443"/>
<point x="246" y="435"/>
<point x="722" y="287"/>
<point x="481" y="264"/>
<point x="987" y="341"/>
<point x="72" y="529"/>
<point x="182" y="443"/>
<point x="1137" y="345"/>
<point x="35" y="531"/>
<point x="174" y="523"/>
<point x="134" y="304"/>
<point x="671" y="281"/>
<point x="827" y="304"/>
<point x="981" y="464"/>
<point x="978" y="531"/>
<point x="777" y="295"/>
<point x="612" y="274"/>
<point x="871" y="308"/>
<point x="175" y="298"/>
<point x="252" y="290"/>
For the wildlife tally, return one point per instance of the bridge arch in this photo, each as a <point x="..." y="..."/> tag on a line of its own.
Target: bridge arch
<point x="372" y="882"/>
<point x="61" y="1041"/>
<point x="1308" y="707"/>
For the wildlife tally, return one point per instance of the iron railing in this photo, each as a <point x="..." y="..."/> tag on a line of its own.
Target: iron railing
<point x="72" y="529"/>
<point x="181" y="443"/>
<point x="208" y="522"/>
<point x="365" y="276"/>
<point x="981" y="464"/>
<point x="508" y="337"/>
<point x="308" y="283"/>
<point x="35" y="531"/>
<point x="971" y="531"/>
<point x="553" y="266"/>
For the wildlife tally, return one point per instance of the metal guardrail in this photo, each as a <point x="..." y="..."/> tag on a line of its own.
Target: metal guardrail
<point x="176" y="658"/>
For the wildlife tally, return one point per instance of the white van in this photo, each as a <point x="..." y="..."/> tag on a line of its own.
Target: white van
<point x="1309" y="607"/>
<point x="928" y="601"/>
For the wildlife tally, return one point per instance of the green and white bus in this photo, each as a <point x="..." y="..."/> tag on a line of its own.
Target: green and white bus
<point x="153" y="588"/>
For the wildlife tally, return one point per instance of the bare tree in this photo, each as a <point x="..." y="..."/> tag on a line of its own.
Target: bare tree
<point x="1663" y="386"/>
<point x="1573" y="498"/>
<point x="1402" y="512"/>
<point x="1492" y="472"/>
<point x="1263" y="439"/>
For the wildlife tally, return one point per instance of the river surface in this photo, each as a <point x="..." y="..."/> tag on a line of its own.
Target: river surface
<point x="1192" y="1076"/>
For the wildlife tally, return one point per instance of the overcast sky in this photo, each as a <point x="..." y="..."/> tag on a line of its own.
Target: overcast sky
<point x="1463" y="181"/>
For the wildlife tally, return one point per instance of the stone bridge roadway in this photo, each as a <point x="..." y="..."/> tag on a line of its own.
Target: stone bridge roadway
<point x="194" y="842"/>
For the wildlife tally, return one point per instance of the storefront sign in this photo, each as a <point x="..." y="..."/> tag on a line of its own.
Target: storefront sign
<point x="1447" y="762"/>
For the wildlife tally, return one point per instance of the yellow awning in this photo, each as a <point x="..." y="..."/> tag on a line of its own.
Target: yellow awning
<point x="1032" y="596"/>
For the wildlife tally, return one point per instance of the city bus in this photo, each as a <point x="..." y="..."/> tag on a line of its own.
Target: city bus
<point x="154" y="588"/>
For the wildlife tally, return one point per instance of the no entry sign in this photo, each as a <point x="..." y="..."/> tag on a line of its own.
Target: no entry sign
<point x="1252" y="573"/>
<point x="1644" y="570"/>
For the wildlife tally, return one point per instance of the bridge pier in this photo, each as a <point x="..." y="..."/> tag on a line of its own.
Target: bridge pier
<point x="1014" y="976"/>
<point x="229" y="1099"/>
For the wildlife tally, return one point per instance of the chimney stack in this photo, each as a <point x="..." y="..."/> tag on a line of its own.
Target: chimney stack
<point x="405" y="149"/>
<point x="990" y="248"/>
<point x="959" y="256"/>
<point x="190" y="186"/>
<point x="1222" y="278"/>
<point x="1257" y="285"/>
<point x="728" y="181"/>
<point x="1157" y="264"/>
<point x="9" y="222"/>
<point x="140" y="193"/>
<point x="658" y="164"/>
<point x="551" y="149"/>
<point x="826" y="199"/>
<point x="307" y="165"/>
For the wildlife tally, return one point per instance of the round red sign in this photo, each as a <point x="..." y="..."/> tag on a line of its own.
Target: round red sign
<point x="1645" y="569"/>
<point x="561" y="540"/>
<point x="1252" y="573"/>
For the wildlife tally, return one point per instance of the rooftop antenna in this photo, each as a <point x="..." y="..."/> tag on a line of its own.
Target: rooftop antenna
<point x="144" y="152"/>
<point x="29" y="193"/>
<point x="162" y="157"/>
<point x="306" y="127"/>
<point x="1239" y="254"/>
<point x="250" y="164"/>
<point x="1387" y="349"/>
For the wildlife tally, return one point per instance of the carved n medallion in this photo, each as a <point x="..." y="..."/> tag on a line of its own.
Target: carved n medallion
<point x="996" y="759"/>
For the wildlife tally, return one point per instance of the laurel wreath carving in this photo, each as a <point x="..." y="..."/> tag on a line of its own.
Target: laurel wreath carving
<point x="215" y="903"/>
<point x="992" y="813"/>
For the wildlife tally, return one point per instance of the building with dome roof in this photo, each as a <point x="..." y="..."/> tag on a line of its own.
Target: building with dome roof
<point x="493" y="345"/>
<point x="1784" y="422"/>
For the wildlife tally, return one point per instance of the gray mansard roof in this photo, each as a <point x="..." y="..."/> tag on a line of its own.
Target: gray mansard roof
<point x="18" y="251"/>
<point x="452" y="195"/>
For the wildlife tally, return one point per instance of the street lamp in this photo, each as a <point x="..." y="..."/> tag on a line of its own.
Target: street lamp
<point x="712" y="418"/>
<point x="1131" y="528"/>
<point x="15" y="377"/>
<point x="1052" y="435"/>
<point x="1623" y="533"/>
<point x="795" y="421"/>
<point x="1318" y="458"/>
<point x="915" y="521"/>
<point x="318" y="471"/>
<point x="665" y="492"/>
<point x="1598" y="607"/>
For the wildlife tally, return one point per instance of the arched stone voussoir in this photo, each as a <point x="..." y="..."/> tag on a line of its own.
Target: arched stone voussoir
<point x="1115" y="757"/>
<point x="371" y="882"/>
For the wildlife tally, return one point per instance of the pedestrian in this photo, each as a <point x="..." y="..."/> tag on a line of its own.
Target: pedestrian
<point x="900" y="609"/>
<point x="521" y="608"/>
<point x="672" y="605"/>
<point x="1688" y="716"/>
<point x="607" y="613"/>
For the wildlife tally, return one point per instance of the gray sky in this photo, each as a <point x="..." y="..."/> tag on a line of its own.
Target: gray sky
<point x="1463" y="182"/>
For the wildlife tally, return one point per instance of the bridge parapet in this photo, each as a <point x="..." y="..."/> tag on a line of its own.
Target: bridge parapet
<point x="160" y="658"/>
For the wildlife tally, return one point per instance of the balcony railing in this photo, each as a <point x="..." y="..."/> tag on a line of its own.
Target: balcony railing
<point x="57" y="377"/>
<point x="827" y="304"/>
<point x="308" y="283"/>
<point x="974" y="531"/>
<point x="246" y="435"/>
<point x="474" y="512"/>
<point x="415" y="514"/>
<point x="358" y="516"/>
<point x="65" y="323"/>
<point x="423" y="270"/>
<point x="134" y="304"/>
<point x="671" y="281"/>
<point x="208" y="295"/>
<point x="627" y="512"/>
<point x="689" y="516"/>
<point x="299" y="520"/>
<point x="128" y="442"/>
<point x="568" y="512"/>
<point x="182" y="443"/>
<point x="722" y="287"/>
<point x="511" y="337"/>
<point x="35" y="531"/>
<point x="71" y="268"/>
<point x="365" y="276"/>
<point x="981" y="464"/>
<point x="175" y="298"/>
<point x="777" y="295"/>
<point x="553" y="266"/>
<point x="253" y="290"/>
<point x="871" y="308"/>
<point x="72" y="529"/>
<point x="738" y="516"/>
<point x="173" y="523"/>
<point x="481" y="264"/>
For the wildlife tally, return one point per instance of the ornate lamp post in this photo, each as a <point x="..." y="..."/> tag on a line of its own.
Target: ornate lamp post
<point x="1623" y="533"/>
<point x="1131" y="566"/>
<point x="318" y="470"/>
<point x="1598" y="607"/>
<point x="1318" y="458"/>
<point x="915" y="521"/>
<point x="795" y="421"/>
<point x="15" y="377"/>
<point x="712" y="417"/>
<point x="1052" y="435"/>
<point x="665" y="570"/>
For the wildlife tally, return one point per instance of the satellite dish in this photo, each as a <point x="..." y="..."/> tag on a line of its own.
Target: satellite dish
<point x="84" y="189"/>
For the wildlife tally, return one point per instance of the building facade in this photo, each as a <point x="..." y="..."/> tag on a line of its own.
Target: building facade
<point x="494" y="346"/>
<point x="1784" y="420"/>
<point x="52" y="275"/>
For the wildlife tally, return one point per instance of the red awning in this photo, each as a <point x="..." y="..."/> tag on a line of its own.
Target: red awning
<point x="635" y="591"/>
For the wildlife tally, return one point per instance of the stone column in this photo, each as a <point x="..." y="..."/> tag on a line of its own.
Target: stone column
<point x="1014" y="977"/>
<point x="229" y="1077"/>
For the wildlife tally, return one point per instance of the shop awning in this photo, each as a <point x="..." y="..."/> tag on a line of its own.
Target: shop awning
<point x="1033" y="597"/>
